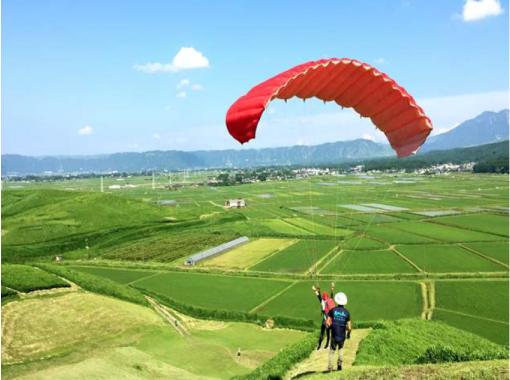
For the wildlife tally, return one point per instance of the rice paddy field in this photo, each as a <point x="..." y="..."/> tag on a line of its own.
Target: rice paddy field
<point x="399" y="245"/>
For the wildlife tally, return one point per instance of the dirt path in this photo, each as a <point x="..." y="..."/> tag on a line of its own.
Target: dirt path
<point x="161" y="310"/>
<point x="318" y="360"/>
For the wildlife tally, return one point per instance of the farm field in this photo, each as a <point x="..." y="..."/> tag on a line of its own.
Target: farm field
<point x="477" y="306"/>
<point x="367" y="262"/>
<point x="447" y="258"/>
<point x="446" y="233"/>
<point x="250" y="253"/>
<point x="498" y="251"/>
<point x="214" y="292"/>
<point x="122" y="276"/>
<point x="367" y="300"/>
<point x="496" y="224"/>
<point x="298" y="258"/>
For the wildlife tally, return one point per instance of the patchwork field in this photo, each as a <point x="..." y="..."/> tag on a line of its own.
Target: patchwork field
<point x="454" y="228"/>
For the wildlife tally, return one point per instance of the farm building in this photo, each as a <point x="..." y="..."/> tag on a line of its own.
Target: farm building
<point x="216" y="250"/>
<point x="59" y="258"/>
<point x="235" y="203"/>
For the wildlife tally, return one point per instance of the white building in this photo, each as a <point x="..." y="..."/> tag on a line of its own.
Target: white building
<point x="237" y="203"/>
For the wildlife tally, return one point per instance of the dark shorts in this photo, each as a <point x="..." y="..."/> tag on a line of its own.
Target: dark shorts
<point x="337" y="344"/>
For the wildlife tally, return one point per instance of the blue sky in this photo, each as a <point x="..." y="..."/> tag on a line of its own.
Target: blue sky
<point x="75" y="78"/>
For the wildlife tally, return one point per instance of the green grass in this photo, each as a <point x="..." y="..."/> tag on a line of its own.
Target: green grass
<point x="368" y="301"/>
<point x="498" y="251"/>
<point x="374" y="218"/>
<point x="445" y="233"/>
<point x="367" y="262"/>
<point x="447" y="258"/>
<point x="122" y="276"/>
<point x="407" y="342"/>
<point x="214" y="292"/>
<point x="298" y="258"/>
<point x="127" y="341"/>
<point x="490" y="370"/>
<point x="480" y="222"/>
<point x="24" y="278"/>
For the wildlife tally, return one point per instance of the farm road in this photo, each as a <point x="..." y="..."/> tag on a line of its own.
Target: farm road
<point x="318" y="360"/>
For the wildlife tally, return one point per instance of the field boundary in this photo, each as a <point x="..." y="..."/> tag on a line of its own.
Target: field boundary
<point x="473" y="316"/>
<point x="482" y="255"/>
<point x="392" y="248"/>
<point x="265" y="302"/>
<point x="319" y="263"/>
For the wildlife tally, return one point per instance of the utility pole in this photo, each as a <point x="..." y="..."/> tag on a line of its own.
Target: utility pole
<point x="153" y="181"/>
<point x="87" y="248"/>
<point x="102" y="185"/>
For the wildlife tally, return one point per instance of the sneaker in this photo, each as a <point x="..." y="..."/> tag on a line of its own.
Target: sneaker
<point x="339" y="367"/>
<point x="326" y="347"/>
<point x="319" y="348"/>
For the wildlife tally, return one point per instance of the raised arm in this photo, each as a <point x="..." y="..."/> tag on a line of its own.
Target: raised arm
<point x="332" y="290"/>
<point x="317" y="292"/>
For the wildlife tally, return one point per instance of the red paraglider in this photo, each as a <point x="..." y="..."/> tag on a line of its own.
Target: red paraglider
<point x="351" y="84"/>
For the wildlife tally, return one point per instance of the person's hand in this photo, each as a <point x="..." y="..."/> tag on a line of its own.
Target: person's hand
<point x="348" y="335"/>
<point x="314" y="288"/>
<point x="332" y="285"/>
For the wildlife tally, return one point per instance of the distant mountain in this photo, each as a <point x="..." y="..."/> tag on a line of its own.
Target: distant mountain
<point x="337" y="152"/>
<point x="486" y="128"/>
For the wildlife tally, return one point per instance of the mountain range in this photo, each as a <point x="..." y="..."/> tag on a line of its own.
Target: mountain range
<point x="486" y="128"/>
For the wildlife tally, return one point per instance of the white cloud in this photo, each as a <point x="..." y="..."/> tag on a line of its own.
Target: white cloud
<point x="183" y="83"/>
<point x="87" y="130"/>
<point x="156" y="136"/>
<point x="379" y="61"/>
<point x="367" y="136"/>
<point x="181" y="95"/>
<point x="186" y="59"/>
<point x="197" y="87"/>
<point x="476" y="10"/>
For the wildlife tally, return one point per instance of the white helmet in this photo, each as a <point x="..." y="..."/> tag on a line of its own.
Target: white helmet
<point x="341" y="299"/>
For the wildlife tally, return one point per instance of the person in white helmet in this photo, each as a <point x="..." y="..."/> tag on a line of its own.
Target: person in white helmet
<point x="339" y="319"/>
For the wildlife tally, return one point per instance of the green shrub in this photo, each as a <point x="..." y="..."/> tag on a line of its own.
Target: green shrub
<point x="279" y="365"/>
<point x="26" y="279"/>
<point x="228" y="315"/>
<point x="97" y="284"/>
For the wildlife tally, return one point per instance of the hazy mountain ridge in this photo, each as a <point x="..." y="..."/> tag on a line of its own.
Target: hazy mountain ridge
<point x="340" y="151"/>
<point x="486" y="128"/>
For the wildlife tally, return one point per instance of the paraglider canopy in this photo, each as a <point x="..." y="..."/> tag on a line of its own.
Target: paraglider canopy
<point x="348" y="82"/>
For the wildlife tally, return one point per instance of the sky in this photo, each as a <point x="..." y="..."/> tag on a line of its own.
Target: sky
<point x="105" y="76"/>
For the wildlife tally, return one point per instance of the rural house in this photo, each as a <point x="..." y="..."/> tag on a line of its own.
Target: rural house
<point x="237" y="203"/>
